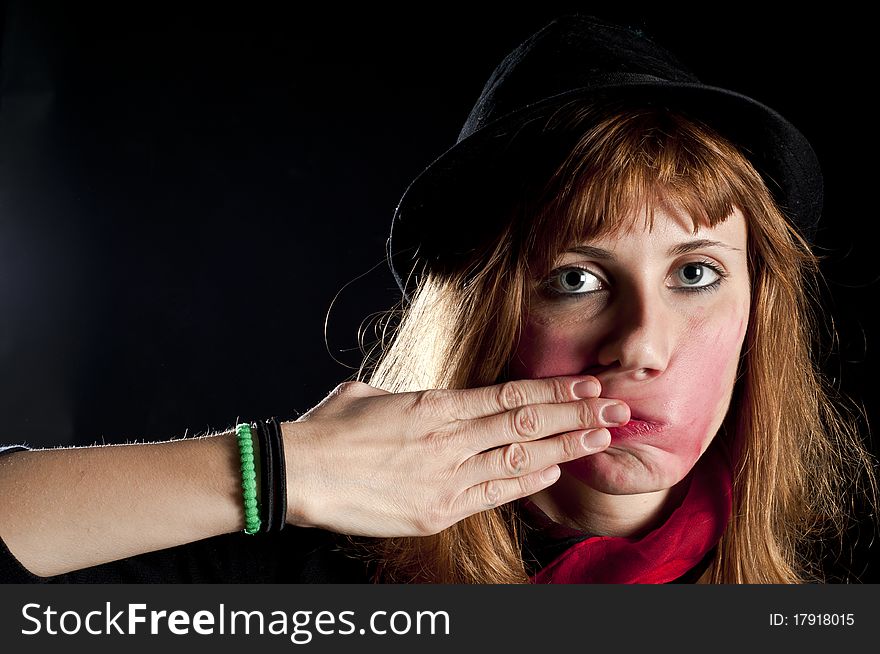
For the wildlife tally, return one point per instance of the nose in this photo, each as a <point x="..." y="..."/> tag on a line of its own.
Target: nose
<point x="640" y="339"/>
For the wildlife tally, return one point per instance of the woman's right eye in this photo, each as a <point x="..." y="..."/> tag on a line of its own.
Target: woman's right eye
<point x="573" y="280"/>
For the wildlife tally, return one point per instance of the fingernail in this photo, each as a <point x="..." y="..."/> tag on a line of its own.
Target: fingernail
<point x="615" y="414"/>
<point x="595" y="439"/>
<point x="551" y="474"/>
<point x="588" y="388"/>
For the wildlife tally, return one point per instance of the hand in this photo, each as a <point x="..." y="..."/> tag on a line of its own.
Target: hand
<point x="371" y="463"/>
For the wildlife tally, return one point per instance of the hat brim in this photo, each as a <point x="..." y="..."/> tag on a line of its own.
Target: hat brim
<point x="778" y="150"/>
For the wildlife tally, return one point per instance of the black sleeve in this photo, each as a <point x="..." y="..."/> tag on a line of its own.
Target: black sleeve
<point x="295" y="555"/>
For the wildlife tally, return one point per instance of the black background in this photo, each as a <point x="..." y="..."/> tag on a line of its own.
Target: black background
<point x="190" y="194"/>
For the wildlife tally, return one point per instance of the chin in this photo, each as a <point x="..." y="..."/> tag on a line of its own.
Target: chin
<point x="630" y="471"/>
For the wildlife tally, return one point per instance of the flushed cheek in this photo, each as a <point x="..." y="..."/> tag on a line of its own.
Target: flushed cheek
<point x="692" y="395"/>
<point x="707" y="368"/>
<point x="546" y="351"/>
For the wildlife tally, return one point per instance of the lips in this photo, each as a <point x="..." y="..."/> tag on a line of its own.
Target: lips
<point x="638" y="413"/>
<point x="641" y="422"/>
<point x="639" y="425"/>
<point x="637" y="416"/>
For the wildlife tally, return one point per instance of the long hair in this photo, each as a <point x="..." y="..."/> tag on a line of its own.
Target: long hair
<point x="798" y="456"/>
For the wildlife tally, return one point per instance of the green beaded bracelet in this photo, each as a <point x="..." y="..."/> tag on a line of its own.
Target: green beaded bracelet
<point x="248" y="479"/>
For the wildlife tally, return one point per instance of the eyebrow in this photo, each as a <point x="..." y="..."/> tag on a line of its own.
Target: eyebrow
<point x="675" y="250"/>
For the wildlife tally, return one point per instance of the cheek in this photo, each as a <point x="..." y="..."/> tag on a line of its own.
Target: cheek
<point x="693" y="394"/>
<point x="711" y="351"/>
<point x="696" y="390"/>
<point x="549" y="350"/>
<point x="701" y="381"/>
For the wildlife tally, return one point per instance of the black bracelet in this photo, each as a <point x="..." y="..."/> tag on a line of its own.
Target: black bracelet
<point x="267" y="510"/>
<point x="273" y="477"/>
<point x="279" y="474"/>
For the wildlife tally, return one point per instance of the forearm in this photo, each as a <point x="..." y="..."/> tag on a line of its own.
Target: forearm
<point x="67" y="509"/>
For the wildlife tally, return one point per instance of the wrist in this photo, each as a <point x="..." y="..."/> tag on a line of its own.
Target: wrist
<point x="300" y="502"/>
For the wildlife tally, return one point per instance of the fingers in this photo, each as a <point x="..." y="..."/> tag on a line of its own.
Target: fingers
<point x="530" y="423"/>
<point x="500" y="491"/>
<point x="521" y="469"/>
<point x="535" y="477"/>
<point x="519" y="459"/>
<point x="470" y="403"/>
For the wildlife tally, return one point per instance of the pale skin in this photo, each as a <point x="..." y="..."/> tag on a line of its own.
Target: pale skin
<point x="669" y="351"/>
<point x="368" y="462"/>
<point x="362" y="462"/>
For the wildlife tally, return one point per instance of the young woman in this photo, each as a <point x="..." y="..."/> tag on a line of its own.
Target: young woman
<point x="601" y="371"/>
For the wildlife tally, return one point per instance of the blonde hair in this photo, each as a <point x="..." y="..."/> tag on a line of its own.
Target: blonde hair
<point x="794" y="480"/>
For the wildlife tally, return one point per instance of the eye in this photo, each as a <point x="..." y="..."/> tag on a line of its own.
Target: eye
<point x="573" y="280"/>
<point x="698" y="275"/>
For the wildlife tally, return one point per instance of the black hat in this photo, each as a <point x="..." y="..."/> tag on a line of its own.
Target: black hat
<point x="577" y="56"/>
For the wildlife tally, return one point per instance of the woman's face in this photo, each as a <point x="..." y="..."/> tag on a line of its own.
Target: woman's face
<point x="659" y="318"/>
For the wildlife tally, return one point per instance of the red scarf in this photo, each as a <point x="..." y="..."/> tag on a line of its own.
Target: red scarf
<point x="661" y="556"/>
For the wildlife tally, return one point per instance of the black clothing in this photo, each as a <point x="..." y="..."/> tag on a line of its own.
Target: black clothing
<point x="296" y="555"/>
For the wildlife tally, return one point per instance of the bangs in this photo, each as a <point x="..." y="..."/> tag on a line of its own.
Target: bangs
<point x="625" y="163"/>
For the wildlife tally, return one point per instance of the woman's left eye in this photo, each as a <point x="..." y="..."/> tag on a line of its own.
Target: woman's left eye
<point x="698" y="276"/>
